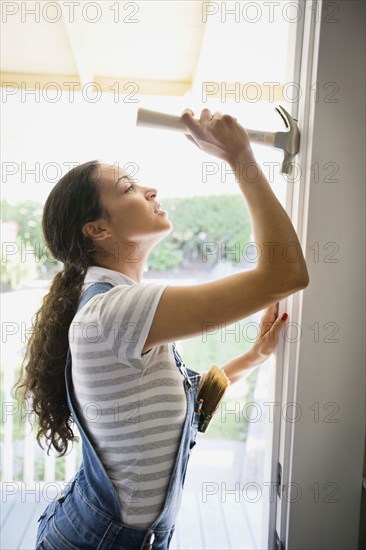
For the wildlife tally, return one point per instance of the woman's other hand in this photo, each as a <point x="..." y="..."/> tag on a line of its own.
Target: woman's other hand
<point x="269" y="332"/>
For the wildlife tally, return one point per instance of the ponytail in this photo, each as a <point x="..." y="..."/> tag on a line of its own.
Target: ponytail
<point x="72" y="202"/>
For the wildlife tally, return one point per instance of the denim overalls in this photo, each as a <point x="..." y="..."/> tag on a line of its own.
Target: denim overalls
<point x="87" y="514"/>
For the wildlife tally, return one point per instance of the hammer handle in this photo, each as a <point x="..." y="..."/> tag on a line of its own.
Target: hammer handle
<point x="155" y="119"/>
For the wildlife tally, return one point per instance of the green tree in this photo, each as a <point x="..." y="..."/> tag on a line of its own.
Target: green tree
<point x="28" y="216"/>
<point x="166" y="255"/>
<point x="217" y="223"/>
<point x="27" y="256"/>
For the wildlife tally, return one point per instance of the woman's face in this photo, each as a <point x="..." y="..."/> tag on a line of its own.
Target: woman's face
<point x="131" y="207"/>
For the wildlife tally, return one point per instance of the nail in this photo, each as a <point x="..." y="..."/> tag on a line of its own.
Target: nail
<point x="284" y="317"/>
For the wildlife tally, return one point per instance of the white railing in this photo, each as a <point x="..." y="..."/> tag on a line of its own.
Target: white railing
<point x="23" y="459"/>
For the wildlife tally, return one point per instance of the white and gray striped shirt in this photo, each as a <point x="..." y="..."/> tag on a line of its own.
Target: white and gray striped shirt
<point x="131" y="406"/>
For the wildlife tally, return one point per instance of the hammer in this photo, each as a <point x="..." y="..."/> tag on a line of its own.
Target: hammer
<point x="288" y="141"/>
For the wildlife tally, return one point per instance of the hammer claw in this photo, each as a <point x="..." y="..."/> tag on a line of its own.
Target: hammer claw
<point x="278" y="109"/>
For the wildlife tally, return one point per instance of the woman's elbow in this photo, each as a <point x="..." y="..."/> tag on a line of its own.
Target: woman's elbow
<point x="293" y="282"/>
<point x="301" y="280"/>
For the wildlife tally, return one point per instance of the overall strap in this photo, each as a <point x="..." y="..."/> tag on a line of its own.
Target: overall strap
<point x="93" y="290"/>
<point x="98" y="486"/>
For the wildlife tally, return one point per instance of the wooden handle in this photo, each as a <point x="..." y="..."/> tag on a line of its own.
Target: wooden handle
<point x="155" y="119"/>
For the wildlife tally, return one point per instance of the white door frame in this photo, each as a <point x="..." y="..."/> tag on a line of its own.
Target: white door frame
<point x="302" y="66"/>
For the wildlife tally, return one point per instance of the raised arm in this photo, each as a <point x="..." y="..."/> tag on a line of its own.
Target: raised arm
<point x="187" y="311"/>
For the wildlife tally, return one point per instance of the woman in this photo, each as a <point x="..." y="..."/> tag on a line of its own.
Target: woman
<point x="133" y="407"/>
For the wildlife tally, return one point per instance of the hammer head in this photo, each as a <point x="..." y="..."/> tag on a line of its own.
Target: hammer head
<point x="288" y="141"/>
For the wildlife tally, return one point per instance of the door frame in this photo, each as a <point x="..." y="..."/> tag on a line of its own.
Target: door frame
<point x="303" y="45"/>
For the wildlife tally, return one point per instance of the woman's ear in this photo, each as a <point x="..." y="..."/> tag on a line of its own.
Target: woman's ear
<point x="96" y="230"/>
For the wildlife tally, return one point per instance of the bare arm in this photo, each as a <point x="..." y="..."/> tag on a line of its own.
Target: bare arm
<point x="241" y="366"/>
<point x="187" y="311"/>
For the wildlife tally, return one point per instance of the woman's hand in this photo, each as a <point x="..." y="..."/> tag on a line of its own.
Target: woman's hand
<point x="218" y="135"/>
<point x="269" y="332"/>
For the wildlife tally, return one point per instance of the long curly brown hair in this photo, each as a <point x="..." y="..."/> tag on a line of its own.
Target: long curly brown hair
<point x="74" y="201"/>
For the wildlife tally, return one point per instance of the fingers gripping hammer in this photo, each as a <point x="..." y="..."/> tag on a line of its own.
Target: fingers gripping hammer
<point x="288" y="141"/>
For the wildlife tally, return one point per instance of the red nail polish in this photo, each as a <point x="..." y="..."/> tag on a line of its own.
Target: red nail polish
<point x="284" y="317"/>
